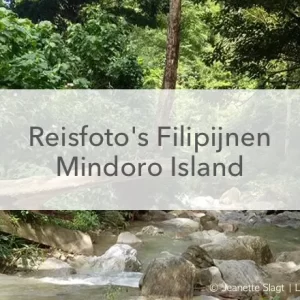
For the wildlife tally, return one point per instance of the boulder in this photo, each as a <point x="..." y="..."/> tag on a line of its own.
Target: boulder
<point x="283" y="272"/>
<point x="235" y="216"/>
<point x="156" y="215"/>
<point x="248" y="218"/>
<point x="184" y="214"/>
<point x="207" y="236"/>
<point x="53" y="267"/>
<point x="210" y="277"/>
<point x="128" y="238"/>
<point x="199" y="215"/>
<point x="204" y="278"/>
<point x="209" y="222"/>
<point x="71" y="241"/>
<point x="151" y="230"/>
<point x="228" y="227"/>
<point x="118" y="258"/>
<point x="226" y="279"/>
<point x="241" y="280"/>
<point x="293" y="256"/>
<point x="198" y="257"/>
<point x="240" y="273"/>
<point x="287" y="219"/>
<point x="217" y="278"/>
<point x="172" y="276"/>
<point x="187" y="214"/>
<point x="182" y="224"/>
<point x="292" y="214"/>
<point x="241" y="248"/>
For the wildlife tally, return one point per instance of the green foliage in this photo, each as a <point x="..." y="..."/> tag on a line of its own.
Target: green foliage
<point x="261" y="38"/>
<point x="56" y="11"/>
<point x="114" y="219"/>
<point x="14" y="250"/>
<point x="27" y="216"/>
<point x="198" y="43"/>
<point x="103" y="46"/>
<point x="152" y="8"/>
<point x="94" y="54"/>
<point x="33" y="56"/>
<point x="86" y="220"/>
<point x="95" y="220"/>
<point x="225" y="44"/>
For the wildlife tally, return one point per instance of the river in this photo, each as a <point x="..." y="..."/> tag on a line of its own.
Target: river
<point x="91" y="284"/>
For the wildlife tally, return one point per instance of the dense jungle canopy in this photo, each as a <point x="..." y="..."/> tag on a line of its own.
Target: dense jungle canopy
<point x="121" y="44"/>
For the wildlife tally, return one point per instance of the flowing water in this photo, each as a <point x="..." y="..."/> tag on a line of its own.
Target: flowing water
<point x="92" y="284"/>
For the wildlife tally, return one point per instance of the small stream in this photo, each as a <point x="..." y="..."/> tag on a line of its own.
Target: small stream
<point x="94" y="285"/>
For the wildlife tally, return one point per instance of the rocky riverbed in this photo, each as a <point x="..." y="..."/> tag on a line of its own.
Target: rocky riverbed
<point x="182" y="254"/>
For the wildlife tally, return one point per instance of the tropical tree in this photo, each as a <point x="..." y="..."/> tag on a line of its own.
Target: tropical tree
<point x="261" y="38"/>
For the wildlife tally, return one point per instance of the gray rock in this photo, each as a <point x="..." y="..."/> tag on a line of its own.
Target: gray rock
<point x="151" y="230"/>
<point x="187" y="214"/>
<point x="53" y="267"/>
<point x="217" y="279"/>
<point x="204" y="278"/>
<point x="207" y="236"/>
<point x="210" y="277"/>
<point x="128" y="238"/>
<point x="240" y="273"/>
<point x="183" y="214"/>
<point x="287" y="219"/>
<point x="241" y="248"/>
<point x="209" y="222"/>
<point x="228" y="227"/>
<point x="283" y="272"/>
<point x="237" y="217"/>
<point x="171" y="276"/>
<point x="182" y="224"/>
<point x="157" y="215"/>
<point x="293" y="256"/>
<point x="292" y="215"/>
<point x="118" y="258"/>
<point x="198" y="257"/>
<point x="229" y="275"/>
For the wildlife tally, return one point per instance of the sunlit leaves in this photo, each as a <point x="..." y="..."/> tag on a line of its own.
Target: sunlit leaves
<point x="261" y="38"/>
<point x="93" y="54"/>
<point x="102" y="42"/>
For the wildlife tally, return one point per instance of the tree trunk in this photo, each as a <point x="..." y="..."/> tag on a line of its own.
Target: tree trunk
<point x="172" y="56"/>
<point x="173" y="43"/>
